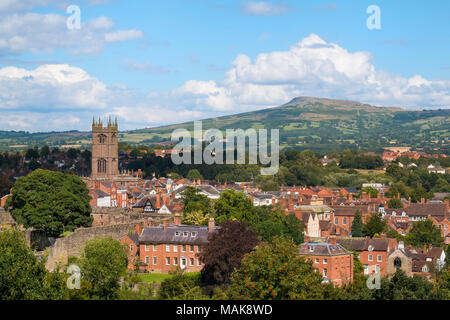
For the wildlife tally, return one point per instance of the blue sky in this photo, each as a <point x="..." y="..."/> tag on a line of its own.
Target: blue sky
<point x="159" y="62"/>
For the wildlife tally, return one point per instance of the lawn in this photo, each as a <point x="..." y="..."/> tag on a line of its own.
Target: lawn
<point x="158" y="277"/>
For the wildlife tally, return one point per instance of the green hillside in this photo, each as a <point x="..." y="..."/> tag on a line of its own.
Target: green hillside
<point x="304" y="123"/>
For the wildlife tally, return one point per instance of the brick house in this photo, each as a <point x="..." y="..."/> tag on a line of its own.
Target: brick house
<point x="165" y="247"/>
<point x="330" y="259"/>
<point x="371" y="252"/>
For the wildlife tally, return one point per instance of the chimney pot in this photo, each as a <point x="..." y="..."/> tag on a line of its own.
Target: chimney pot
<point x="177" y="219"/>
<point x="211" y="224"/>
<point x="166" y="224"/>
<point x="137" y="228"/>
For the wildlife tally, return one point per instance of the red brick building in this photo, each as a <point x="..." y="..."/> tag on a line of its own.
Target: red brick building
<point x="372" y="252"/>
<point x="165" y="247"/>
<point x="330" y="259"/>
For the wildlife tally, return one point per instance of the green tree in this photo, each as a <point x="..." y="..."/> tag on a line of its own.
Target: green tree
<point x="424" y="232"/>
<point x="375" y="225"/>
<point x="181" y="286"/>
<point x="395" y="203"/>
<point x="21" y="274"/>
<point x="104" y="262"/>
<point x="51" y="202"/>
<point x="193" y="200"/>
<point x="194" y="174"/>
<point x="234" y="204"/>
<point x="357" y="225"/>
<point x="196" y="218"/>
<point x="275" y="271"/>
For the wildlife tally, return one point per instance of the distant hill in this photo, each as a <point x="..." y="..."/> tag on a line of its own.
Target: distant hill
<point x="305" y="123"/>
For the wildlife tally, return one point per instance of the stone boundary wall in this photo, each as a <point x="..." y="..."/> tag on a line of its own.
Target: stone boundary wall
<point x="73" y="244"/>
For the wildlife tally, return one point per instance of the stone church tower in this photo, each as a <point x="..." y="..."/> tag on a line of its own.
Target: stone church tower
<point x="105" y="150"/>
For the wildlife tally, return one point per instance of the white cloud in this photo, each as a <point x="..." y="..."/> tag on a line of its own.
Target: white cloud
<point x="37" y="33"/>
<point x="312" y="67"/>
<point x="262" y="8"/>
<point x="131" y="64"/>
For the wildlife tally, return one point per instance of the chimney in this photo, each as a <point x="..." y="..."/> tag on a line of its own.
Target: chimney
<point x="177" y="219"/>
<point x="166" y="224"/>
<point x="332" y="240"/>
<point x="350" y="197"/>
<point x="424" y="249"/>
<point x="199" y="182"/>
<point x="137" y="228"/>
<point x="145" y="223"/>
<point x="172" y="196"/>
<point x="158" y="201"/>
<point x="273" y="200"/>
<point x="422" y="200"/>
<point x="291" y="205"/>
<point x="409" y="202"/>
<point x="164" y="198"/>
<point x="428" y="201"/>
<point x="211" y="224"/>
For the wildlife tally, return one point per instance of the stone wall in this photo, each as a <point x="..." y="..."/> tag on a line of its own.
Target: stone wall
<point x="73" y="244"/>
<point x="6" y="219"/>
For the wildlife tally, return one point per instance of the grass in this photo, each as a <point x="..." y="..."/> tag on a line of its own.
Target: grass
<point x="159" y="277"/>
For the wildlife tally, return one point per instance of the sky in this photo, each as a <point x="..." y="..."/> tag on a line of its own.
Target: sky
<point x="152" y="63"/>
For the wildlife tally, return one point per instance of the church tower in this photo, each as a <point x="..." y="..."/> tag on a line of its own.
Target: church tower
<point x="105" y="149"/>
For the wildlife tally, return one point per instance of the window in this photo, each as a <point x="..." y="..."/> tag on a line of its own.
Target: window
<point x="366" y="269"/>
<point x="193" y="234"/>
<point x="101" y="165"/>
<point x="317" y="261"/>
<point x="147" y="260"/>
<point x="324" y="272"/>
<point x="167" y="247"/>
<point x="191" y="261"/>
<point x="370" y="257"/>
<point x="102" y="138"/>
<point x="175" y="261"/>
<point x="198" y="248"/>
<point x="183" y="248"/>
<point x="325" y="261"/>
<point x="377" y="268"/>
<point x="175" y="248"/>
<point x="199" y="262"/>
<point x="336" y="220"/>
<point x="379" y="258"/>
<point x="397" y="262"/>
<point x="191" y="248"/>
<point x="311" y="249"/>
<point x="147" y="248"/>
<point x="344" y="221"/>
<point x="185" y="234"/>
<point x="177" y="233"/>
<point x="155" y="261"/>
<point x="155" y="247"/>
<point x="131" y="247"/>
<point x="168" y="261"/>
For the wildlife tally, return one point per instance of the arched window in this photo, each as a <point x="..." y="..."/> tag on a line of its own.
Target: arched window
<point x="101" y="138"/>
<point x="101" y="165"/>
<point x="397" y="262"/>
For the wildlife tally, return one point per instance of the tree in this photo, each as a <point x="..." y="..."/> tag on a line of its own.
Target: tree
<point x="194" y="174"/>
<point x="424" y="233"/>
<point x="193" y="200"/>
<point x="181" y="286"/>
<point x="45" y="151"/>
<point x="395" y="203"/>
<point x="371" y="191"/>
<point x="375" y="225"/>
<point x="357" y="225"/>
<point x="196" y="218"/>
<point x="21" y="274"/>
<point x="275" y="271"/>
<point x="234" y="204"/>
<point x="51" y="202"/>
<point x="104" y="262"/>
<point x="224" y="252"/>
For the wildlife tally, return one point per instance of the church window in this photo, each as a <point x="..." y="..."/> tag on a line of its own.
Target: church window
<point x="397" y="263"/>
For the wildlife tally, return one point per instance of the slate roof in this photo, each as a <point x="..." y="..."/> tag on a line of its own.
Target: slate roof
<point x="421" y="209"/>
<point x="362" y="244"/>
<point x="100" y="193"/>
<point x="321" y="248"/>
<point x="159" y="235"/>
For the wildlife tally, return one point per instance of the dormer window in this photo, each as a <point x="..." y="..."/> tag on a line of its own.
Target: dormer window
<point x="193" y="234"/>
<point x="177" y="233"/>
<point x="311" y="249"/>
<point x="185" y="234"/>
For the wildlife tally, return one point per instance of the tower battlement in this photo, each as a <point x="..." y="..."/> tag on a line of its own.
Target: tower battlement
<point x="105" y="149"/>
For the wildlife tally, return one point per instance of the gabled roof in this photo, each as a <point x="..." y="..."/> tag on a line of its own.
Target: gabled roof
<point x="362" y="244"/>
<point x="321" y="248"/>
